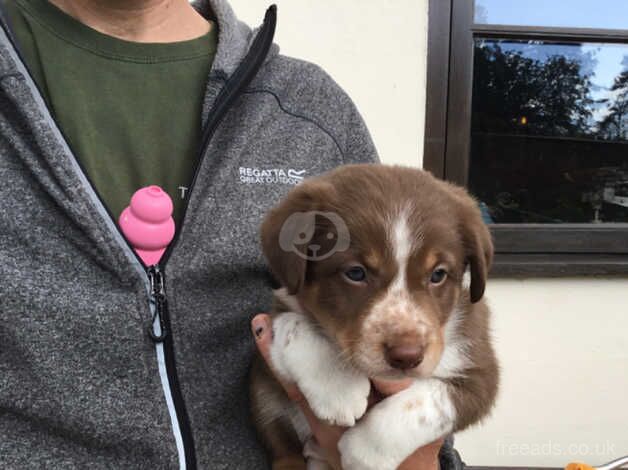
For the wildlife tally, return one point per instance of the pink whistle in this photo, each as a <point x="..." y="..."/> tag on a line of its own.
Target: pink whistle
<point x="147" y="223"/>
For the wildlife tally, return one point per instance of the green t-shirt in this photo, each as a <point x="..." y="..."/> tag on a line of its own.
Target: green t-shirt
<point x="131" y="112"/>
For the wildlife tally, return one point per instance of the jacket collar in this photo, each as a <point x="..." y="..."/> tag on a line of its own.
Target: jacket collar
<point x="234" y="36"/>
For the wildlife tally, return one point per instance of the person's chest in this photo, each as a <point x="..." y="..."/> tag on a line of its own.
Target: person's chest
<point x="130" y="112"/>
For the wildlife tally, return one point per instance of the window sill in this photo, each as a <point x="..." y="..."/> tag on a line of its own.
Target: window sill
<point x="513" y="468"/>
<point x="509" y="265"/>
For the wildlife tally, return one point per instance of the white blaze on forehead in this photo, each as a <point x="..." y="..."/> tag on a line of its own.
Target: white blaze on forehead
<point x="403" y="241"/>
<point x="396" y="304"/>
<point x="397" y="312"/>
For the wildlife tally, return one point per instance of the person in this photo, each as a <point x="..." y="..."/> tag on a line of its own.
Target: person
<point x="101" y="98"/>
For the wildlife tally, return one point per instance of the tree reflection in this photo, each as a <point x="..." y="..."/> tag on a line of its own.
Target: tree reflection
<point x="614" y="125"/>
<point x="548" y="144"/>
<point x="520" y="93"/>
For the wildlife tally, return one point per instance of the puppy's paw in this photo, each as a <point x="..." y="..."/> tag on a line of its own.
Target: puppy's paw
<point x="358" y="452"/>
<point x="337" y="396"/>
<point x="337" y="393"/>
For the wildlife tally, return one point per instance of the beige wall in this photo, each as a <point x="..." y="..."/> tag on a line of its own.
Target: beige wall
<point x="563" y="343"/>
<point x="375" y="50"/>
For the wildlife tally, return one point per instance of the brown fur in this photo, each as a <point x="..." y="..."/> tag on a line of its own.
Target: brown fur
<point x="274" y="428"/>
<point x="449" y="226"/>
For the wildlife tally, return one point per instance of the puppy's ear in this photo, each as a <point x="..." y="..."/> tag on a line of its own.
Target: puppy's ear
<point x="478" y="247"/>
<point x="287" y="229"/>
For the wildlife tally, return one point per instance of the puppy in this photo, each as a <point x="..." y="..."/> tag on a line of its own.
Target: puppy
<point x="371" y="260"/>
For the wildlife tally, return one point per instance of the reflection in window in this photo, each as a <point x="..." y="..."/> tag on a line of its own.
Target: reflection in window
<point x="602" y="14"/>
<point x="549" y="137"/>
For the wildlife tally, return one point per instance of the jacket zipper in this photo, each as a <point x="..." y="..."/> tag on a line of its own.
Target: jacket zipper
<point x="239" y="80"/>
<point x="107" y="217"/>
<point x="159" y="329"/>
<point x="159" y="332"/>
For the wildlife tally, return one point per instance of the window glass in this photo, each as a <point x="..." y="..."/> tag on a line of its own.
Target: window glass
<point x="602" y="14"/>
<point x="549" y="132"/>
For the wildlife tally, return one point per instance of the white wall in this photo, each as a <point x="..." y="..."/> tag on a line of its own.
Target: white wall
<point x="376" y="50"/>
<point x="563" y="343"/>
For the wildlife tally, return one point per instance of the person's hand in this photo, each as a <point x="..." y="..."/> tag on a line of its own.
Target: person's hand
<point x="326" y="435"/>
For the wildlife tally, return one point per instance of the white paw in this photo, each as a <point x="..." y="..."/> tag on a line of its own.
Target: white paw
<point x="339" y="396"/>
<point x="335" y="391"/>
<point x="359" y="453"/>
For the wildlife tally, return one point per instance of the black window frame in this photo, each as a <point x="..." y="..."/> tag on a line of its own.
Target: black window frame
<point x="521" y="249"/>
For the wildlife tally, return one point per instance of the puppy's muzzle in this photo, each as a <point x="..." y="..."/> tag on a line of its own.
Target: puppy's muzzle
<point x="404" y="353"/>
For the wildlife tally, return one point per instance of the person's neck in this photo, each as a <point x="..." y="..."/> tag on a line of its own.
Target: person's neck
<point x="138" y="20"/>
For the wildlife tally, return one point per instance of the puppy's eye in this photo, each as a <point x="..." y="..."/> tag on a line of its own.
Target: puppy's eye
<point x="438" y="276"/>
<point x="356" y="274"/>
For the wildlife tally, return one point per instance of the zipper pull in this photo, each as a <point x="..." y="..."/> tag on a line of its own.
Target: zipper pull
<point x="157" y="329"/>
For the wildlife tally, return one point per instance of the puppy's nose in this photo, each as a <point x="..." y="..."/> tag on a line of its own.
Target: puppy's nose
<point x="404" y="356"/>
<point x="314" y="247"/>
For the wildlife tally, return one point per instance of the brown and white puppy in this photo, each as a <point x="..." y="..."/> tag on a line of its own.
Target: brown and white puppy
<point x="371" y="259"/>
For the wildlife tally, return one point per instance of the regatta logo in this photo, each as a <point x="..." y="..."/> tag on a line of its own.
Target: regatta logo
<point x="271" y="176"/>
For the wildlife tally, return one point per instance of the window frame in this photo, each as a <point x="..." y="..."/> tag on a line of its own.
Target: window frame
<point x="521" y="249"/>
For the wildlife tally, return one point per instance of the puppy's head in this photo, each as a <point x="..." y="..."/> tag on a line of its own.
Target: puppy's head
<point x="376" y="255"/>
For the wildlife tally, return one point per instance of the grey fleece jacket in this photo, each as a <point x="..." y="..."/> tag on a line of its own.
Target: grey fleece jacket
<point x="82" y="385"/>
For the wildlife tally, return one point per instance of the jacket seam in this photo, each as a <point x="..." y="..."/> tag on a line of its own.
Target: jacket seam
<point x="299" y="116"/>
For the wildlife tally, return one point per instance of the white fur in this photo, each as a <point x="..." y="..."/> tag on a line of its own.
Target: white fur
<point x="396" y="427"/>
<point x="455" y="359"/>
<point x="288" y="300"/>
<point x="335" y="391"/>
<point x="401" y="244"/>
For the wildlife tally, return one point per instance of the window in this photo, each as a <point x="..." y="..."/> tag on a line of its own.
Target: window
<point x="533" y="119"/>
